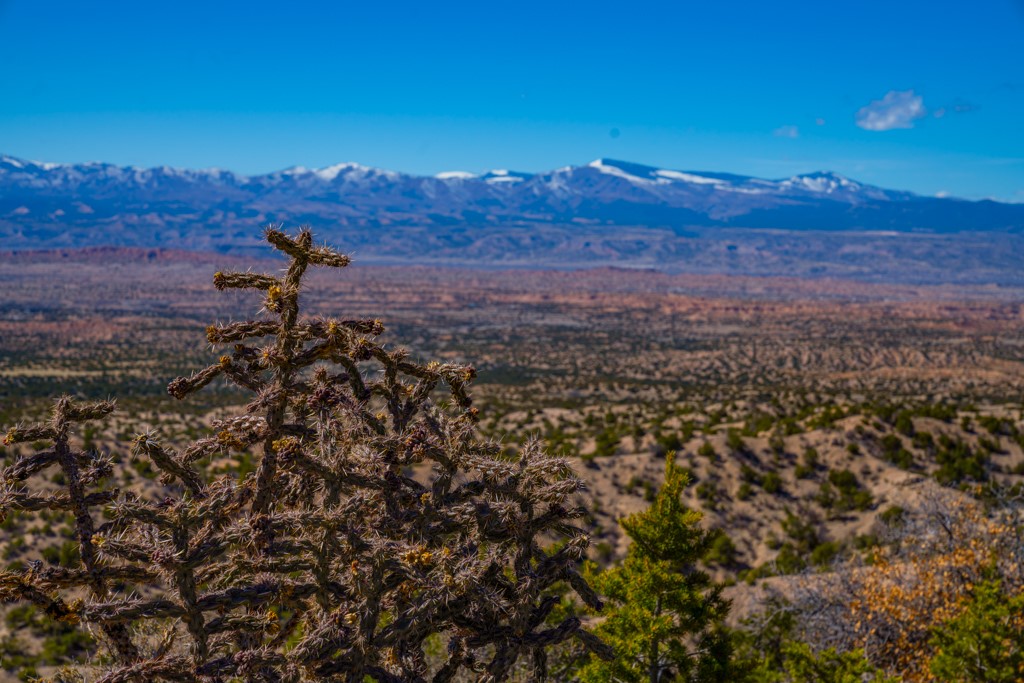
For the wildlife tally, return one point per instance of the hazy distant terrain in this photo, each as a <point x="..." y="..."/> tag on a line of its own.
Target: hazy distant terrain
<point x="603" y="213"/>
<point x="613" y="366"/>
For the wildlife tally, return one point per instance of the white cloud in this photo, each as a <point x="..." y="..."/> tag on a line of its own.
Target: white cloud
<point x="898" y="109"/>
<point x="957" y="106"/>
<point x="786" y="132"/>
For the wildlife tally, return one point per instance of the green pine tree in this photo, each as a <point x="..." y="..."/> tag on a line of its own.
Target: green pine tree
<point x="663" y="615"/>
<point x="986" y="642"/>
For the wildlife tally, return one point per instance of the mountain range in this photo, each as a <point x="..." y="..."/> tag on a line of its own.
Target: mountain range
<point x="607" y="211"/>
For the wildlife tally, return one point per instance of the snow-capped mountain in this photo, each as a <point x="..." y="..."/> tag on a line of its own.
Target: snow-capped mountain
<point x="56" y="205"/>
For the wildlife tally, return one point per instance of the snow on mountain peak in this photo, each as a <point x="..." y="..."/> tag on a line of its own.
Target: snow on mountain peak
<point x="646" y="175"/>
<point x="332" y="172"/>
<point x="688" y="177"/>
<point x="820" y="182"/>
<point x="611" y="167"/>
<point x="25" y="163"/>
<point x="455" y="175"/>
<point x="502" y="176"/>
<point x="351" y="171"/>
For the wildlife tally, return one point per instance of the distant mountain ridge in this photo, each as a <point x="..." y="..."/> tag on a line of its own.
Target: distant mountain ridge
<point x="607" y="210"/>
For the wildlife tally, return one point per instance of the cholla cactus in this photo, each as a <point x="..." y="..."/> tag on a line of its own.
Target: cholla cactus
<point x="375" y="521"/>
<point x="53" y="589"/>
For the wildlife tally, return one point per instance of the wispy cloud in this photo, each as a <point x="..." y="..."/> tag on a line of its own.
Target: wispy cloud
<point x="958" y="106"/>
<point x="786" y="132"/>
<point x="961" y="106"/>
<point x="898" y="109"/>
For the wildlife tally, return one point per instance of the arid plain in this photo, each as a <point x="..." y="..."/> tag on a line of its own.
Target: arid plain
<point x="765" y="386"/>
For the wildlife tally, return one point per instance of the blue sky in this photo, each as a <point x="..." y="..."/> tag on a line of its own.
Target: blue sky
<point x="925" y="96"/>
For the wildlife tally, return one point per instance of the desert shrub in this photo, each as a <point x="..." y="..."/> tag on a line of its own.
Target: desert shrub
<point x="842" y="492"/>
<point x="65" y="555"/>
<point x="924" y="441"/>
<point x="801" y="664"/>
<point x="749" y="475"/>
<point x="894" y="414"/>
<point x="894" y="452"/>
<point x="709" y="494"/>
<point x="20" y="617"/>
<point x="757" y="423"/>
<point x="606" y="443"/>
<point x="939" y="411"/>
<point x="802" y="538"/>
<point x="16" y="658"/>
<point x="958" y="462"/>
<point x="722" y="550"/>
<point x="802" y="529"/>
<point x="827" y="417"/>
<point x="904" y="424"/>
<point x="808" y="465"/>
<point x="772" y="483"/>
<point x="708" y="451"/>
<point x="789" y="560"/>
<point x="667" y="443"/>
<point x="892" y="515"/>
<point x="734" y="441"/>
<point x="998" y="426"/>
<point x="826" y="553"/>
<point x="327" y="561"/>
<point x="559" y="442"/>
<point x="989" y="445"/>
<point x="866" y="541"/>
<point x="673" y="441"/>
<point x="68" y="644"/>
